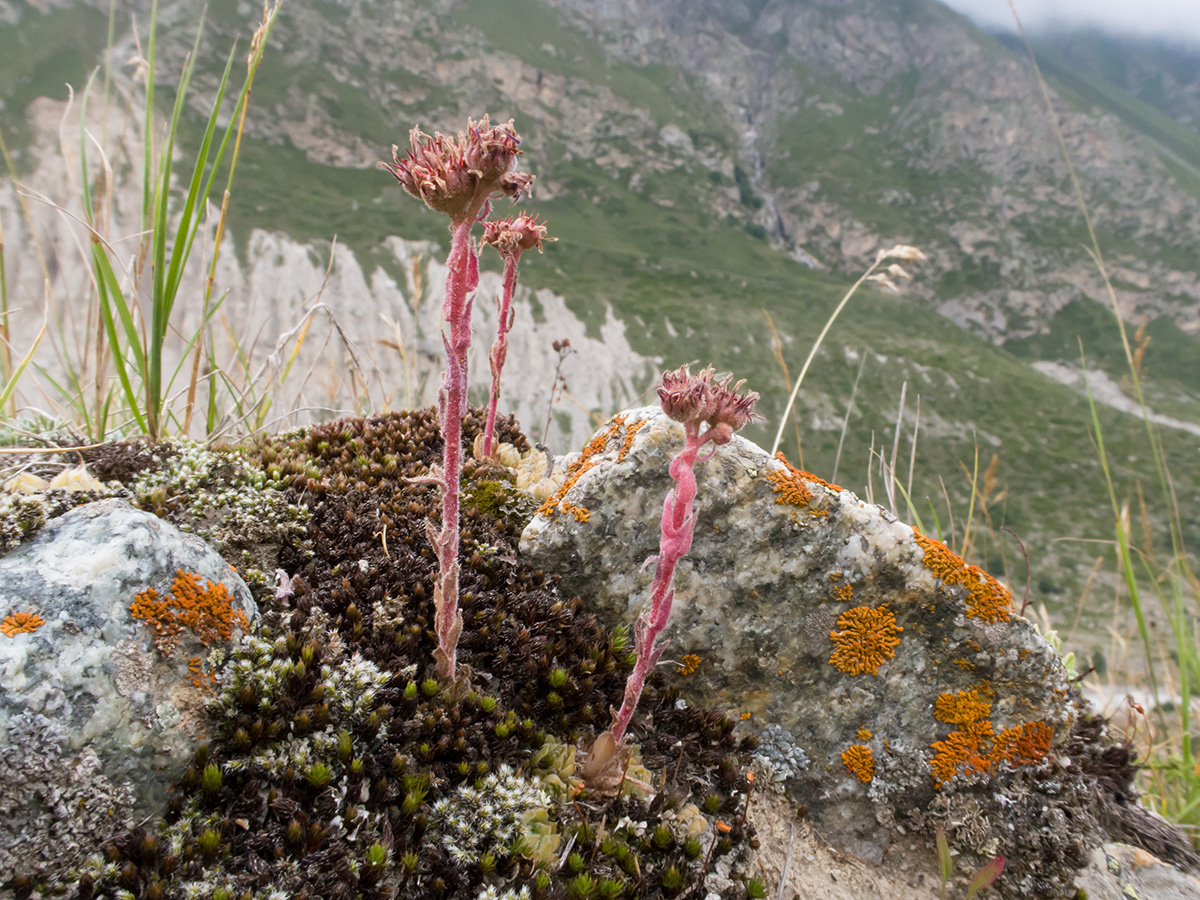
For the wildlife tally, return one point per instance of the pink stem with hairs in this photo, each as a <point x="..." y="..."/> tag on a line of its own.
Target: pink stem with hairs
<point x="499" y="349"/>
<point x="462" y="277"/>
<point x="678" y="523"/>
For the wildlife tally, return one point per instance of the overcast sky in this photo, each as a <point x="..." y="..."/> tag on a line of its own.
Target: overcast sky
<point x="1171" y="18"/>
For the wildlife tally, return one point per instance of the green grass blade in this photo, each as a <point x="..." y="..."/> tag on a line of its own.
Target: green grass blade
<point x="187" y="228"/>
<point x="86" y="188"/>
<point x="110" y="296"/>
<point x="11" y="386"/>
<point x="148" y="132"/>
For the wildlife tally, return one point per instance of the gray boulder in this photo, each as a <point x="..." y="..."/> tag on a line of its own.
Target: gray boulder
<point x="114" y="625"/>
<point x="894" y="687"/>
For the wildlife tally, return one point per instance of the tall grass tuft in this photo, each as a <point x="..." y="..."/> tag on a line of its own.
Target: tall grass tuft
<point x="133" y="309"/>
<point x="1170" y="582"/>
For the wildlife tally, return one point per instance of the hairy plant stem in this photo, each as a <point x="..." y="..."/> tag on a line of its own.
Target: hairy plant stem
<point x="678" y="522"/>
<point x="499" y="351"/>
<point x="461" y="279"/>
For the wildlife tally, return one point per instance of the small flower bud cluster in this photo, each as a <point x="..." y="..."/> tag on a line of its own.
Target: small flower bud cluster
<point x="706" y="398"/>
<point x="457" y="175"/>
<point x="513" y="235"/>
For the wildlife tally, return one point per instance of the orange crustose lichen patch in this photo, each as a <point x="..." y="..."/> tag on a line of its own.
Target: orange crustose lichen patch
<point x="808" y="476"/>
<point x="864" y="734"/>
<point x="630" y="433"/>
<point x="987" y="599"/>
<point x="577" y="512"/>
<point x="864" y="639"/>
<point x="859" y="762"/>
<point x="1025" y="743"/>
<point x="197" y="677"/>
<point x="844" y="593"/>
<point x="587" y="459"/>
<point x="963" y="752"/>
<point x="789" y="488"/>
<point x="21" y="623"/>
<point x="689" y="664"/>
<point x="205" y="609"/>
<point x="976" y="749"/>
<point x="962" y="708"/>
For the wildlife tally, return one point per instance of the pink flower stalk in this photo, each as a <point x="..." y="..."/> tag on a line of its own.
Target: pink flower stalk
<point x="511" y="237"/>
<point x="694" y="400"/>
<point x="457" y="176"/>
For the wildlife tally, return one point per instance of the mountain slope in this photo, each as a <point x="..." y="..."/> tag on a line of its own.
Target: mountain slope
<point x="704" y="162"/>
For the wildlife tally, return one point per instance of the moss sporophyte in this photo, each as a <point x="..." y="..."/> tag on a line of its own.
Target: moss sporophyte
<point x="460" y="176"/>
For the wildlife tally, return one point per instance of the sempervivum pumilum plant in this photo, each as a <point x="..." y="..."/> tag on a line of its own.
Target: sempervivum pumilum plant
<point x="458" y="176"/>
<point x="510" y="237"/>
<point x="697" y="401"/>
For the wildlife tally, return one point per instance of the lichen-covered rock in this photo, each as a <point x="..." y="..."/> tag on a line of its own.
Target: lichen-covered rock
<point x="114" y="623"/>
<point x="898" y="686"/>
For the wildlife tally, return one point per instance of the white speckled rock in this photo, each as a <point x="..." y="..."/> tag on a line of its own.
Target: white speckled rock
<point x="772" y="577"/>
<point x="95" y="721"/>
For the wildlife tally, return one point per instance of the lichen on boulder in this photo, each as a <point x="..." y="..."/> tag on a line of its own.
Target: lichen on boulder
<point x="118" y="624"/>
<point x="900" y="677"/>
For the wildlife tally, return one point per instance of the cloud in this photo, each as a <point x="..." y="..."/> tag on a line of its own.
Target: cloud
<point x="1177" y="19"/>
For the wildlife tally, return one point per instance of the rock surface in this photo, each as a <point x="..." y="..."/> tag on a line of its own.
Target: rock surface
<point x="894" y="687"/>
<point x="114" y="624"/>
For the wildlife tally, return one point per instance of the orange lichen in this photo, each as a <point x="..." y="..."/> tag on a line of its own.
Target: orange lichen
<point x="577" y="512"/>
<point x="962" y="708"/>
<point x="864" y="734"/>
<point x="834" y="576"/>
<point x="205" y="609"/>
<point x="844" y="593"/>
<point x="1025" y="743"/>
<point x="964" y="664"/>
<point x="859" y="762"/>
<point x="864" y="639"/>
<point x="789" y="488"/>
<point x="587" y="459"/>
<point x="630" y="433"/>
<point x="689" y="664"/>
<point x="808" y="476"/>
<point x="976" y="749"/>
<point x="197" y="677"/>
<point x="987" y="599"/>
<point x="962" y="753"/>
<point x="21" y="623"/>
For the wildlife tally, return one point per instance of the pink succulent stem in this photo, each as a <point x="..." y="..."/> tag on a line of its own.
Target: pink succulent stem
<point x="678" y="523"/>
<point x="462" y="276"/>
<point x="499" y="349"/>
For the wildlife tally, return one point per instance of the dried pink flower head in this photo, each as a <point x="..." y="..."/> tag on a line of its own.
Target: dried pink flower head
<point x="705" y="398"/>
<point x="513" y="235"/>
<point x="457" y="175"/>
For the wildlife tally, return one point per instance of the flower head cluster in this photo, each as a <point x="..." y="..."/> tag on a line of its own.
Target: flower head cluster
<point x="513" y="235"/>
<point x="707" y="398"/>
<point x="457" y="175"/>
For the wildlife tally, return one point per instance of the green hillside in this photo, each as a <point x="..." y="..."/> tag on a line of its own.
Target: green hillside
<point x="692" y="283"/>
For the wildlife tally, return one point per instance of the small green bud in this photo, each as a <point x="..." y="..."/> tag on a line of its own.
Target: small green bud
<point x="558" y="678"/>
<point x="377" y="856"/>
<point x="210" y="781"/>
<point x="208" y="842"/>
<point x="429" y="687"/>
<point x="319" y="775"/>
